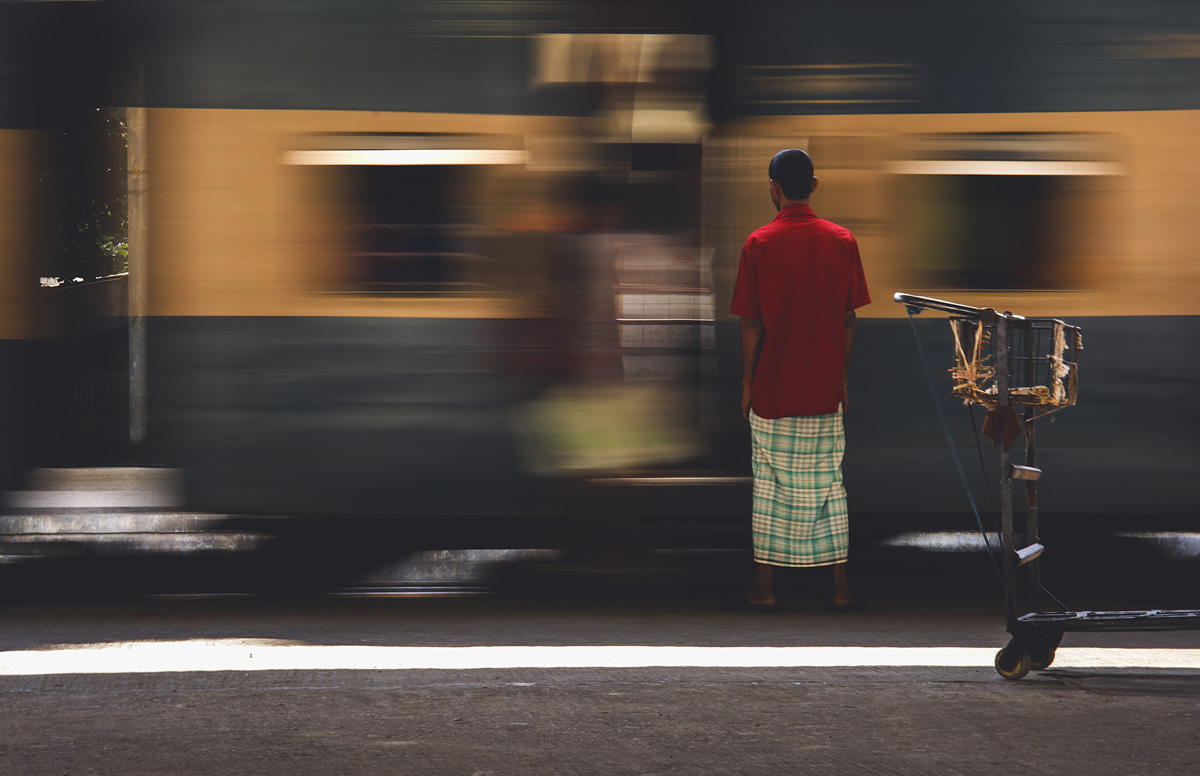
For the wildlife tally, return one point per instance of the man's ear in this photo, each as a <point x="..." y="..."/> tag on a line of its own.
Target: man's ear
<point x="816" y="180"/>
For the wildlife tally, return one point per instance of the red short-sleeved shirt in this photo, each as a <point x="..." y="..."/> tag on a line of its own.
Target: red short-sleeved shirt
<point x="799" y="275"/>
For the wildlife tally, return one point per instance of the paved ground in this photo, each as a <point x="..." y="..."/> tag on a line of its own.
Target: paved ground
<point x="345" y="686"/>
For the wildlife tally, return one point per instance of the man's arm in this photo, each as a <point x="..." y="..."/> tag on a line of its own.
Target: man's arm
<point x="752" y="339"/>
<point x="850" y="317"/>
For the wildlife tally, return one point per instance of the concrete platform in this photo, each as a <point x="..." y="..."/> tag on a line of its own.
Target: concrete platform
<point x="558" y="687"/>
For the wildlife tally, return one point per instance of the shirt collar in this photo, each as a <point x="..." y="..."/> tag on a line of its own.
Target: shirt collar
<point x="795" y="211"/>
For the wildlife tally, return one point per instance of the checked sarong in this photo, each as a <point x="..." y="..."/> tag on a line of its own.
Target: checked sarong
<point x="800" y="512"/>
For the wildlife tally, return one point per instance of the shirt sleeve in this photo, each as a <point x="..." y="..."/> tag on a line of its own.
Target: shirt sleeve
<point x="745" y="290"/>
<point x="858" y="296"/>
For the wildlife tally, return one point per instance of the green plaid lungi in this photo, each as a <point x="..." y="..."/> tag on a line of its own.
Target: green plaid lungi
<point x="800" y="513"/>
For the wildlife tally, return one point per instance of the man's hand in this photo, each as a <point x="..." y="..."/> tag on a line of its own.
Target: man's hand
<point x="752" y="341"/>
<point x="850" y="318"/>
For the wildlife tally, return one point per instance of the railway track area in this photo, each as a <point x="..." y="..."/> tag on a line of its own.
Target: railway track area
<point x="117" y="533"/>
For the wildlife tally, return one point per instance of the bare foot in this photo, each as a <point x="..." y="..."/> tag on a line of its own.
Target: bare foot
<point x="760" y="600"/>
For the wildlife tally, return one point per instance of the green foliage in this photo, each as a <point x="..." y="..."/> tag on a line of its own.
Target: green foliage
<point x="85" y="187"/>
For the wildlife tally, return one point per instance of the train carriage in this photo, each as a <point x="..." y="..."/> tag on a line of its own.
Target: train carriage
<point x="375" y="238"/>
<point x="445" y="260"/>
<point x="43" y="91"/>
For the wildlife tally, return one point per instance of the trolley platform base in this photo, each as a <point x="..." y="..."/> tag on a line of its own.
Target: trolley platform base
<point x="1036" y="636"/>
<point x="1153" y="619"/>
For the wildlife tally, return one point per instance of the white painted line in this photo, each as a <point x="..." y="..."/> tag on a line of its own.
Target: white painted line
<point x="266" y="655"/>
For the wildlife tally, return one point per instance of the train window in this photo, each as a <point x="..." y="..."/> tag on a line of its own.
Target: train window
<point x="404" y="220"/>
<point x="1001" y="211"/>
<point x="981" y="231"/>
<point x="407" y="240"/>
<point x="665" y="308"/>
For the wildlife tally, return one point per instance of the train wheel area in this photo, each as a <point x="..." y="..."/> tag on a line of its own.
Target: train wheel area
<point x="94" y="534"/>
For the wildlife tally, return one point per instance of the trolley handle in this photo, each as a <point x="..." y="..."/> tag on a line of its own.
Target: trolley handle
<point x="916" y="304"/>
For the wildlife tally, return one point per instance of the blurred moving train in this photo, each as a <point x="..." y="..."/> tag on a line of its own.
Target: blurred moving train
<point x="437" y="260"/>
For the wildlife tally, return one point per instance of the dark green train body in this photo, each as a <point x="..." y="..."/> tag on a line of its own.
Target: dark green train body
<point x="301" y="363"/>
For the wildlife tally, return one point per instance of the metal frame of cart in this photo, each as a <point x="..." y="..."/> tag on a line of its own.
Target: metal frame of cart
<point x="1005" y="362"/>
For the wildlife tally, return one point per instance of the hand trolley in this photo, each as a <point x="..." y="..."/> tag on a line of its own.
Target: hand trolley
<point x="1004" y="362"/>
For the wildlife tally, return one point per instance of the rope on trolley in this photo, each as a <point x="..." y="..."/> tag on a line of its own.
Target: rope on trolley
<point x="987" y="482"/>
<point x="937" y="402"/>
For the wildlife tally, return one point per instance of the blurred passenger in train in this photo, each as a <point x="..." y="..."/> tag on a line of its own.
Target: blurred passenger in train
<point x="553" y="240"/>
<point x="586" y="416"/>
<point x="799" y="281"/>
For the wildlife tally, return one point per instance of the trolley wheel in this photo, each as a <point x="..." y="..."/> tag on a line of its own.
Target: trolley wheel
<point x="1042" y="650"/>
<point x="1013" y="663"/>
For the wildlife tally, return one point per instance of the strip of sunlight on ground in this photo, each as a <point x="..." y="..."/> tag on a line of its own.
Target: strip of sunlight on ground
<point x="264" y="655"/>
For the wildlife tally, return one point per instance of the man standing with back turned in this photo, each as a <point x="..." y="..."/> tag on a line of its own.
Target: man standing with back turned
<point x="799" y="281"/>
